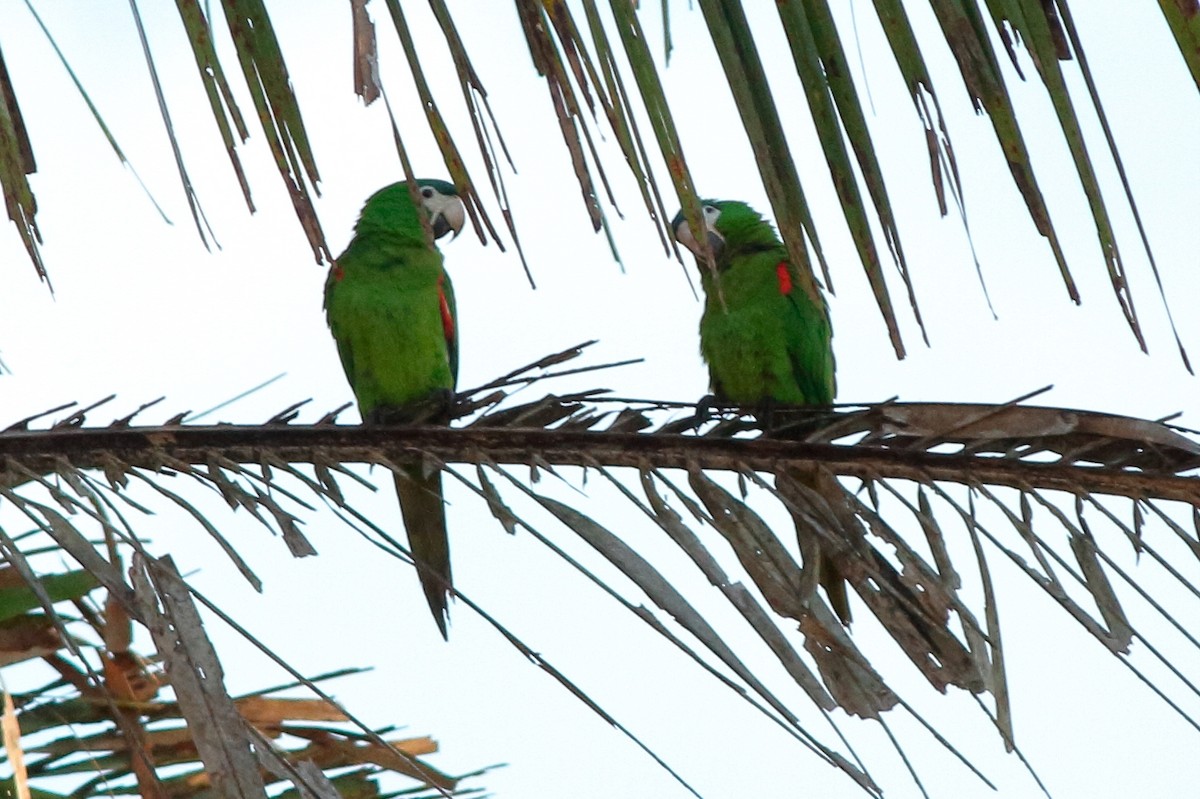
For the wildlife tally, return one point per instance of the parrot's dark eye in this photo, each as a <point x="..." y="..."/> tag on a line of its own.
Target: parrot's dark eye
<point x="427" y="193"/>
<point x="711" y="210"/>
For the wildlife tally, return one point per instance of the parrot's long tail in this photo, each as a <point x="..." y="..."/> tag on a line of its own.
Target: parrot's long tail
<point x="424" y="512"/>
<point x="829" y="509"/>
<point x="835" y="589"/>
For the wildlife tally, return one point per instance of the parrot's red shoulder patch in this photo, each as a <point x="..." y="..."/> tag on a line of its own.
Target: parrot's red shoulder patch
<point x="447" y="316"/>
<point x="785" y="278"/>
<point x="337" y="273"/>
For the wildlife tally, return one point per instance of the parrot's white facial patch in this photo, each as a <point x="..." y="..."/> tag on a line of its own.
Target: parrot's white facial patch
<point x="683" y="233"/>
<point x="447" y="208"/>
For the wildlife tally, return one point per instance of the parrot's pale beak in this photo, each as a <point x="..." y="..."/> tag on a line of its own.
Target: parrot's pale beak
<point x="440" y="226"/>
<point x="716" y="241"/>
<point x="449" y="218"/>
<point x="683" y="235"/>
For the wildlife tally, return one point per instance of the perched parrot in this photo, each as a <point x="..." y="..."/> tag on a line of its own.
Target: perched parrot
<point x="390" y="307"/>
<point x="764" y="339"/>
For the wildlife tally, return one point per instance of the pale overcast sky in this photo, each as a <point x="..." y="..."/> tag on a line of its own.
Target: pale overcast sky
<point x="142" y="310"/>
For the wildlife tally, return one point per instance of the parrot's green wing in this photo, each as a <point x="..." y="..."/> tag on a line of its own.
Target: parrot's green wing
<point x="810" y="340"/>
<point x="449" y="312"/>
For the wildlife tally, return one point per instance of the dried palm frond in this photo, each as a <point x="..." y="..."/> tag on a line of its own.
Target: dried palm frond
<point x="890" y="492"/>
<point x="114" y="723"/>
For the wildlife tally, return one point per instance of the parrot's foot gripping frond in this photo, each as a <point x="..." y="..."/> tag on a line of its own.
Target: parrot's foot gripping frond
<point x="793" y="422"/>
<point x="435" y="408"/>
<point x="705" y="407"/>
<point x="765" y="412"/>
<point x="424" y="512"/>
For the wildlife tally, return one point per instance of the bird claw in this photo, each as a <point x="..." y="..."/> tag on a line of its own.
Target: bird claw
<point x="381" y="415"/>
<point x="436" y="407"/>
<point x="704" y="409"/>
<point x="441" y="404"/>
<point x="766" y="415"/>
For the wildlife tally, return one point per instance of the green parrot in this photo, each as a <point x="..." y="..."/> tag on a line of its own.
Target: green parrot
<point x="764" y="339"/>
<point x="390" y="307"/>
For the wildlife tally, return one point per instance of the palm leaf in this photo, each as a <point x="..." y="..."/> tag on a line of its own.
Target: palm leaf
<point x="121" y="729"/>
<point x="909" y="459"/>
<point x="582" y="72"/>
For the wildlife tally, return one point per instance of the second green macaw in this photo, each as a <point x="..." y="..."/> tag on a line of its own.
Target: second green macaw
<point x="765" y="340"/>
<point x="390" y="307"/>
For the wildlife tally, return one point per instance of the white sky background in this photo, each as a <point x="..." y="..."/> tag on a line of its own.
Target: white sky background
<point x="141" y="310"/>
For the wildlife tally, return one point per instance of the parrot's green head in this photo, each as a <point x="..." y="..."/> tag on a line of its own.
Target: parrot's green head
<point x="391" y="209"/>
<point x="731" y="226"/>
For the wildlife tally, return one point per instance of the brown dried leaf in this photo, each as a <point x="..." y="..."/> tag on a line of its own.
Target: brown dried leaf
<point x="28" y="636"/>
<point x="937" y="542"/>
<point x="231" y="493"/>
<point x="915" y="608"/>
<point x="289" y="527"/>
<point x="16" y="163"/>
<point x="79" y="548"/>
<point x="764" y="558"/>
<point x="366" y="70"/>
<point x="738" y="595"/>
<point x="1102" y="592"/>
<point x="953" y="421"/>
<point x="264" y="711"/>
<point x="197" y="678"/>
<point x="496" y="505"/>
<point x="328" y="751"/>
<point x="799" y="671"/>
<point x="855" y="685"/>
<point x="660" y="591"/>
<point x="127" y="677"/>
